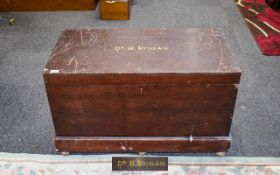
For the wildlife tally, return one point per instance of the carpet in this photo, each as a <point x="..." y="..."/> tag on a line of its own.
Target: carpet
<point x="35" y="164"/>
<point x="264" y="24"/>
<point x="26" y="122"/>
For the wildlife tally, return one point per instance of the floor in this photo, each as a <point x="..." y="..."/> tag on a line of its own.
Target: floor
<point x="25" y="119"/>
<point x="102" y="164"/>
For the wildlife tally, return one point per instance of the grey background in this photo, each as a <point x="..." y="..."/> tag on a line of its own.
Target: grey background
<point x="25" y="119"/>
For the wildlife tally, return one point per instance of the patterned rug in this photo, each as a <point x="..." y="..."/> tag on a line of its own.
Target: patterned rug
<point x="33" y="164"/>
<point x="264" y="24"/>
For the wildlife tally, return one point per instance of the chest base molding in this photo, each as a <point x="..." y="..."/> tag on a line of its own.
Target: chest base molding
<point x="142" y="144"/>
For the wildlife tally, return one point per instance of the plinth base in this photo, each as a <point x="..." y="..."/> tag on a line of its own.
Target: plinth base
<point x="142" y="144"/>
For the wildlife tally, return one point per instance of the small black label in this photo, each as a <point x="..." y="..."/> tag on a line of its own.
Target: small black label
<point x="140" y="163"/>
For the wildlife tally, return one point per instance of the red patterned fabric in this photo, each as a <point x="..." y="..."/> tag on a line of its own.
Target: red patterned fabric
<point x="264" y="23"/>
<point x="255" y="1"/>
<point x="270" y="16"/>
<point x="269" y="45"/>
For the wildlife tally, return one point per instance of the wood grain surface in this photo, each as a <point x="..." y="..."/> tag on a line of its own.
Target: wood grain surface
<point x="115" y="9"/>
<point x="142" y="110"/>
<point x="148" y="144"/>
<point x="47" y="5"/>
<point x="94" y="52"/>
<point x="155" y="90"/>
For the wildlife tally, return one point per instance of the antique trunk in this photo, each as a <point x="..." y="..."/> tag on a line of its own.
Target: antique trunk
<point x="142" y="90"/>
<point x="115" y="9"/>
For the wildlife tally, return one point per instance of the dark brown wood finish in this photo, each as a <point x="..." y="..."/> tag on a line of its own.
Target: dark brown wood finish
<point x="142" y="144"/>
<point x="115" y="9"/>
<point x="151" y="78"/>
<point x="166" y="53"/>
<point x="47" y="5"/>
<point x="128" y="110"/>
<point x="142" y="83"/>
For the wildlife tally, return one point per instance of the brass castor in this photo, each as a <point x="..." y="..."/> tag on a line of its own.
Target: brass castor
<point x="142" y="153"/>
<point x="64" y="153"/>
<point x="221" y="154"/>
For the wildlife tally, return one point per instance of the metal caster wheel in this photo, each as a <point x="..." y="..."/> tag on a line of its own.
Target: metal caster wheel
<point x="142" y="153"/>
<point x="65" y="153"/>
<point x="221" y="154"/>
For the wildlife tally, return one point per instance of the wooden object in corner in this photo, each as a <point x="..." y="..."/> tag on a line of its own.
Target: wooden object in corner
<point x="115" y="9"/>
<point x="47" y="5"/>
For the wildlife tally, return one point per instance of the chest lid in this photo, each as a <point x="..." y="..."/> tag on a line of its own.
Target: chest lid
<point x="142" y="56"/>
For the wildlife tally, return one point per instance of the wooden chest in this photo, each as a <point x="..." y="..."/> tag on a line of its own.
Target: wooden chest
<point x="142" y="90"/>
<point x="115" y="9"/>
<point x="47" y="5"/>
